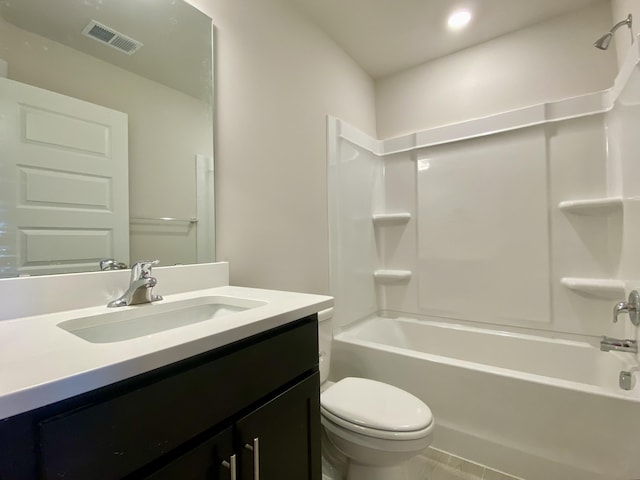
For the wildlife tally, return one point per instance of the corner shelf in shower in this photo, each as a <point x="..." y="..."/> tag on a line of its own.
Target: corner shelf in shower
<point x="391" y="276"/>
<point x="594" y="206"/>
<point x="391" y="218"/>
<point x="596" y="287"/>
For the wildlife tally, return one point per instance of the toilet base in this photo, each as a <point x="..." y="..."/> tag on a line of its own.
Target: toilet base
<point x="330" y="471"/>
<point x="356" y="471"/>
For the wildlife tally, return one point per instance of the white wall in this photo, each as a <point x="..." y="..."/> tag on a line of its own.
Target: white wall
<point x="277" y="77"/>
<point x="548" y="61"/>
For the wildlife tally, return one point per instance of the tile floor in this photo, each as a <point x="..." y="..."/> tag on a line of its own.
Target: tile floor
<point x="438" y="465"/>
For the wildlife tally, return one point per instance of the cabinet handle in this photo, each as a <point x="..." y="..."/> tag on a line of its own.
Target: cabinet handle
<point x="231" y="465"/>
<point x="255" y="448"/>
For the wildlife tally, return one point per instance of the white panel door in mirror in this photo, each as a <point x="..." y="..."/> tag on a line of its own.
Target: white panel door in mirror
<point x="65" y="181"/>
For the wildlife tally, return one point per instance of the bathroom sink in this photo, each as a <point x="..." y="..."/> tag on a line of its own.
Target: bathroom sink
<point x="141" y="320"/>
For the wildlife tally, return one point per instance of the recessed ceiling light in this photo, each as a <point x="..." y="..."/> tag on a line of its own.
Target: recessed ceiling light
<point x="459" y="19"/>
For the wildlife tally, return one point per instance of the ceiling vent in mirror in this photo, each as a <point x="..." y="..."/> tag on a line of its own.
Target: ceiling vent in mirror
<point x="111" y="37"/>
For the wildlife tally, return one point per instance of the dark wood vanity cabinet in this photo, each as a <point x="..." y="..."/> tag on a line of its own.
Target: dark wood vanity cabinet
<point x="253" y="405"/>
<point x="274" y="439"/>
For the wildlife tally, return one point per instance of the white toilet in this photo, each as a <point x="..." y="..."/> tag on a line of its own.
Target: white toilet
<point x="376" y="426"/>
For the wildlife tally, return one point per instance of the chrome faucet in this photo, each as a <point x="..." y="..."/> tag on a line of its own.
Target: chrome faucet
<point x="140" y="286"/>
<point x="111" y="264"/>
<point x="632" y="307"/>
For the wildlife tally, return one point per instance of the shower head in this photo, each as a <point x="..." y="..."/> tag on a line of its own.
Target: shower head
<point x="603" y="42"/>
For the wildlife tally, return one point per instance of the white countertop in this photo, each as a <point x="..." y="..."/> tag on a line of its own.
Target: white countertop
<point x="40" y="363"/>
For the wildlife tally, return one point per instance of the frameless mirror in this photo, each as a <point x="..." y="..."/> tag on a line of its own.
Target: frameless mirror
<point x="106" y="134"/>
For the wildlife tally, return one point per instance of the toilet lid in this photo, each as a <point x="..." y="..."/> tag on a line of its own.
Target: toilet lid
<point x="376" y="405"/>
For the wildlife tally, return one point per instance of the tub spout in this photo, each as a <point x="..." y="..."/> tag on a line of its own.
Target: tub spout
<point x="607" y="344"/>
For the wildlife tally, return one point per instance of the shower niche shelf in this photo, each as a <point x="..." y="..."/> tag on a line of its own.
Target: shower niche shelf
<point x="392" y="276"/>
<point x="594" y="206"/>
<point x="399" y="218"/>
<point x="596" y="287"/>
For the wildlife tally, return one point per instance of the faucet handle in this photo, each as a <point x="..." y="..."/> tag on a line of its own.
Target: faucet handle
<point x="142" y="269"/>
<point x="632" y="307"/>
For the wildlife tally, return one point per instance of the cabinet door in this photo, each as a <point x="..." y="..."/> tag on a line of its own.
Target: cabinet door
<point x="281" y="439"/>
<point x="211" y="460"/>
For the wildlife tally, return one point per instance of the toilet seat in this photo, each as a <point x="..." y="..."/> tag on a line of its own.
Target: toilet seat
<point x="376" y="409"/>
<point x="372" y="432"/>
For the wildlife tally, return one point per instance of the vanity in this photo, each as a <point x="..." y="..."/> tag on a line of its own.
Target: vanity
<point x="230" y="397"/>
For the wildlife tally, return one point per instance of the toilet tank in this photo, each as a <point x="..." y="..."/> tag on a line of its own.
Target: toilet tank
<point x="325" y="336"/>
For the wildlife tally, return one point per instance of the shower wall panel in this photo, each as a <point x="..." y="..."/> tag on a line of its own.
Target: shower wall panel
<point x="487" y="240"/>
<point x="526" y="219"/>
<point x="483" y="228"/>
<point x="355" y="189"/>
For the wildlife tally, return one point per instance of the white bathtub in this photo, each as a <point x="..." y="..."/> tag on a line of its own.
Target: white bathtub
<point x="539" y="408"/>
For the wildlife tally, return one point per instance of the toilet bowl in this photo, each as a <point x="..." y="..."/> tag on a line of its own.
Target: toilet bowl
<point x="376" y="427"/>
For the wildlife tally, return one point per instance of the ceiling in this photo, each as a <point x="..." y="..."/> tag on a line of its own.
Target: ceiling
<point x="387" y="36"/>
<point x="382" y="36"/>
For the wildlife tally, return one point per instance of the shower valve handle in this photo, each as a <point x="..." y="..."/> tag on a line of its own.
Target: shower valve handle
<point x="632" y="307"/>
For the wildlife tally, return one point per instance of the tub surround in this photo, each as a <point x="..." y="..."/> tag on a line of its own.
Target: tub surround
<point x="41" y="363"/>
<point x="556" y="263"/>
